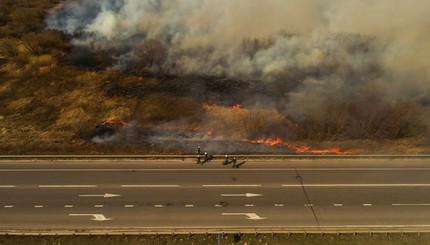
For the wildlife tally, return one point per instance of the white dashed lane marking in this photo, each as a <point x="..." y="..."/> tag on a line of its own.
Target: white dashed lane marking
<point x="8" y="206"/>
<point x="7" y="186"/>
<point x="231" y="185"/>
<point x="150" y="186"/>
<point x="279" y="205"/>
<point x="367" y="204"/>
<point x="410" y="204"/>
<point x="67" y="186"/>
<point x="38" y="206"/>
<point x="249" y="205"/>
<point x="189" y="205"/>
<point x="98" y="206"/>
<point x="128" y="206"/>
<point x="159" y="206"/>
<point x="338" y="204"/>
<point x="68" y="206"/>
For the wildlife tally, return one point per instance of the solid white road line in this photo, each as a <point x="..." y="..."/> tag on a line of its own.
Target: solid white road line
<point x="7" y="186"/>
<point x="68" y="206"/>
<point x="8" y="206"/>
<point x="410" y="204"/>
<point x="279" y="205"/>
<point x="98" y="206"/>
<point x="231" y="185"/>
<point x="356" y="185"/>
<point x="367" y="204"/>
<point x="128" y="206"/>
<point x="150" y="186"/>
<point x="67" y="186"/>
<point x="38" y="206"/>
<point x="189" y="205"/>
<point x="338" y="204"/>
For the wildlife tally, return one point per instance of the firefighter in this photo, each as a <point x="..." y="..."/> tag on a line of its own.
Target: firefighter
<point x="226" y="160"/>
<point x="234" y="161"/>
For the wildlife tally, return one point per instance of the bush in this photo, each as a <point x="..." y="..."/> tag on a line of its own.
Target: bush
<point x="151" y="53"/>
<point x="49" y="42"/>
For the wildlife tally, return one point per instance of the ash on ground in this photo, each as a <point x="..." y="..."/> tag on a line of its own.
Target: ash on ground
<point x="181" y="141"/>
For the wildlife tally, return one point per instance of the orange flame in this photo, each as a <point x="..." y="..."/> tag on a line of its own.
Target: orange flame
<point x="297" y="148"/>
<point x="237" y="107"/>
<point x="112" y="122"/>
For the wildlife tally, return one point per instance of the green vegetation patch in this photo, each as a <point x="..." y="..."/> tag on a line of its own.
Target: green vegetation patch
<point x="219" y="239"/>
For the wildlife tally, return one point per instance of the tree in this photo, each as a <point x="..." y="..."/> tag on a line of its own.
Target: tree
<point x="250" y="46"/>
<point x="151" y="53"/>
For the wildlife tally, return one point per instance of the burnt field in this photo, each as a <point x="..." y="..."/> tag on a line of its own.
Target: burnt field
<point x="73" y="81"/>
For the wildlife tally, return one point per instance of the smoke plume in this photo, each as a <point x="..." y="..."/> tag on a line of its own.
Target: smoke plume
<point x="310" y="52"/>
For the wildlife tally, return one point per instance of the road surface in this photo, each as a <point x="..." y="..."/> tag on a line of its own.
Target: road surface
<point x="181" y="196"/>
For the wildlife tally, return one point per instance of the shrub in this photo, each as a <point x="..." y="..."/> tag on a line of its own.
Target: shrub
<point x="49" y="42"/>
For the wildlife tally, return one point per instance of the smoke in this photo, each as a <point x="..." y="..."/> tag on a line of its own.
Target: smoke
<point x="307" y="51"/>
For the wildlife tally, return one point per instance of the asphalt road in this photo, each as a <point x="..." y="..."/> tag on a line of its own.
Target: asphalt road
<point x="262" y="195"/>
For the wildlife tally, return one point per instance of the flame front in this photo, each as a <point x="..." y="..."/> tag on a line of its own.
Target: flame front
<point x="297" y="148"/>
<point x="112" y="122"/>
<point x="237" y="107"/>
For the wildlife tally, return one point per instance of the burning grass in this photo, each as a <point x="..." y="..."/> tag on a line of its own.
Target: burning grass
<point x="298" y="148"/>
<point x="50" y="107"/>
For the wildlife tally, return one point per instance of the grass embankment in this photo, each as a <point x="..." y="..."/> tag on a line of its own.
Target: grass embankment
<point x="293" y="239"/>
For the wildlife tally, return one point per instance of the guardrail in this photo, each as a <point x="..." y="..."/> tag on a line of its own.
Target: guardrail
<point x="182" y="157"/>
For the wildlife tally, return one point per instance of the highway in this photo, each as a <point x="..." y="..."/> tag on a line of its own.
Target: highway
<point x="326" y="195"/>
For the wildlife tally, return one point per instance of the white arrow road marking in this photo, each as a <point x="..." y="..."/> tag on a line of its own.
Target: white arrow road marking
<point x="96" y="217"/>
<point x="106" y="195"/>
<point x="252" y="216"/>
<point x="242" y="195"/>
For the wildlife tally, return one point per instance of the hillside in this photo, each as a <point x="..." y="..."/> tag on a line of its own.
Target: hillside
<point x="50" y="105"/>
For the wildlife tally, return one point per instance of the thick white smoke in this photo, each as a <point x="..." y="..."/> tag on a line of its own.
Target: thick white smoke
<point x="311" y="50"/>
